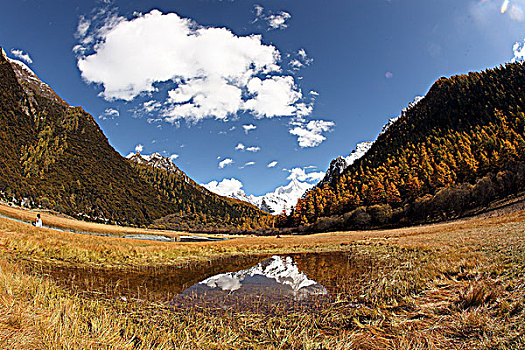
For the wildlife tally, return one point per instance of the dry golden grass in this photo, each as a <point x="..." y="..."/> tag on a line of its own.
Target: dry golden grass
<point x="457" y="285"/>
<point x="63" y="222"/>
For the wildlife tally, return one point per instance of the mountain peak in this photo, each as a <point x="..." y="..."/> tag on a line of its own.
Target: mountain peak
<point x="338" y="165"/>
<point x="283" y="198"/>
<point x="31" y="83"/>
<point x="155" y="160"/>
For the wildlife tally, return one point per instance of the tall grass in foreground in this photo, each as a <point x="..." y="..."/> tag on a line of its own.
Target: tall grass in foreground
<point x="461" y="288"/>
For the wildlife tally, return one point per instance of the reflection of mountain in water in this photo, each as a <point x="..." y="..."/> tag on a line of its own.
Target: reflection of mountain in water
<point x="276" y="276"/>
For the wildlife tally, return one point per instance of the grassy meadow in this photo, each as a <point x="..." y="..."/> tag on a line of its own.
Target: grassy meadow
<point x="455" y="285"/>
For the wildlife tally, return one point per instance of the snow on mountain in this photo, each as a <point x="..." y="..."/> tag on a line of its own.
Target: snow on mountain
<point x="338" y="165"/>
<point x="273" y="272"/>
<point x="391" y="121"/>
<point x="156" y="160"/>
<point x="282" y="198"/>
<point x="30" y="82"/>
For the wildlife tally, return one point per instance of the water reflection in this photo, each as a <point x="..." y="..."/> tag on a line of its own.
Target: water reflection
<point x="240" y="282"/>
<point x="277" y="276"/>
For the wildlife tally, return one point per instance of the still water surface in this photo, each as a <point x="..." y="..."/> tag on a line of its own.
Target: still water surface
<point x="222" y="282"/>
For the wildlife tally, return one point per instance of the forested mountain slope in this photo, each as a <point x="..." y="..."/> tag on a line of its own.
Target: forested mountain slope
<point x="55" y="156"/>
<point x="456" y="150"/>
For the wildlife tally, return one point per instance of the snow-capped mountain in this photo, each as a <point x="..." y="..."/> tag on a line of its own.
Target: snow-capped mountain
<point x="338" y="165"/>
<point x="277" y="274"/>
<point x="30" y="82"/>
<point x="155" y="160"/>
<point x="282" y="198"/>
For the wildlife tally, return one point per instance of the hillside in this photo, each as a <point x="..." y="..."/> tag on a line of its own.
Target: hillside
<point x="55" y="156"/>
<point x="456" y="150"/>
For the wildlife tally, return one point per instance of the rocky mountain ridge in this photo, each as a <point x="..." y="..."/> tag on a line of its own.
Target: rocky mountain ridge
<point x="156" y="160"/>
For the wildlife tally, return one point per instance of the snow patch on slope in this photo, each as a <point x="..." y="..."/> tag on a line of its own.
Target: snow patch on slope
<point x="156" y="160"/>
<point x="391" y="121"/>
<point x="30" y="81"/>
<point x="338" y="165"/>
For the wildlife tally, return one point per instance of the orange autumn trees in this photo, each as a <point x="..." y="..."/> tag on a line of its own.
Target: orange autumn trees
<point x="466" y="129"/>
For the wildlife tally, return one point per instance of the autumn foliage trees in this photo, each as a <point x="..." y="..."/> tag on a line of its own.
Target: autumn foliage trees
<point x="55" y="156"/>
<point x="444" y="156"/>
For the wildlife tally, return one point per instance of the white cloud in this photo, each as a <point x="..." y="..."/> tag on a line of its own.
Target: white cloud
<point x="304" y="110"/>
<point x="174" y="156"/>
<point x="200" y="98"/>
<point x="311" y="134"/>
<point x="275" y="96"/>
<point x="24" y="56"/>
<point x="301" y="60"/>
<point x="253" y="149"/>
<point x="302" y="54"/>
<point x="213" y="73"/>
<point x="225" y="163"/>
<point x="274" y="20"/>
<point x="519" y="51"/>
<point x="301" y="175"/>
<point x="139" y="148"/>
<point x="240" y="146"/>
<point x="82" y="27"/>
<point x="272" y="164"/>
<point x="314" y="93"/>
<point x="278" y="20"/>
<point x="258" y="11"/>
<point x="154" y="120"/>
<point x="109" y="113"/>
<point x="225" y="187"/>
<point x="248" y="128"/>
<point x="151" y="106"/>
<point x="296" y="64"/>
<point x="249" y="163"/>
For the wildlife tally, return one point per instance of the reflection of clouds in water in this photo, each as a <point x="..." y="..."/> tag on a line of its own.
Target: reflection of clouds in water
<point x="224" y="281"/>
<point x="276" y="270"/>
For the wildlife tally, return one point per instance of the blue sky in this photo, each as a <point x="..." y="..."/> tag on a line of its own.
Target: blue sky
<point x="307" y="79"/>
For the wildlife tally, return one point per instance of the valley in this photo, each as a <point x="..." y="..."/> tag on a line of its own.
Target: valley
<point x="411" y="237"/>
<point x="435" y="286"/>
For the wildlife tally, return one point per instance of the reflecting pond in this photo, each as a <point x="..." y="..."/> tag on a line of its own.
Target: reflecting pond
<point x="224" y="282"/>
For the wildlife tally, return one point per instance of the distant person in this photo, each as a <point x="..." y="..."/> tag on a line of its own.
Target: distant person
<point x="38" y="222"/>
